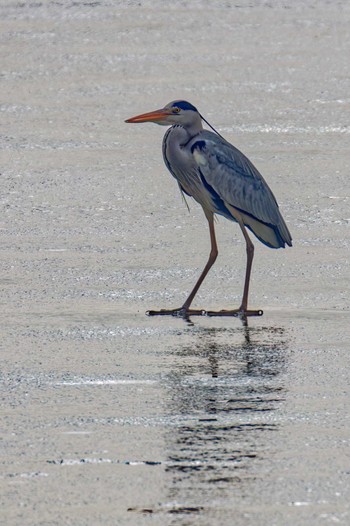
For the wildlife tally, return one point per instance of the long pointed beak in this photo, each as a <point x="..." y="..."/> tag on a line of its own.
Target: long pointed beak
<point x="152" y="116"/>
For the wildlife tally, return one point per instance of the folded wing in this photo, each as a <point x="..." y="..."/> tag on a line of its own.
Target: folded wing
<point x="229" y="174"/>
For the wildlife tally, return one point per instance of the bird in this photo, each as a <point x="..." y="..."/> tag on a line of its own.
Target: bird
<point x="224" y="182"/>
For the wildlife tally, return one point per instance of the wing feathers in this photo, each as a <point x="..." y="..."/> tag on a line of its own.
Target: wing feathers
<point x="239" y="184"/>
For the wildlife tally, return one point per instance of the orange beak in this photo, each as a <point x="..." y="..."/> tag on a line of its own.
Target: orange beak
<point x="152" y="116"/>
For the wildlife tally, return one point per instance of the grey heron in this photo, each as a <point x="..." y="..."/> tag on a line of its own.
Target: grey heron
<point x="223" y="181"/>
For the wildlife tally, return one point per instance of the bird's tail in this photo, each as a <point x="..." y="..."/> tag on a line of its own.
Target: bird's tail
<point x="273" y="236"/>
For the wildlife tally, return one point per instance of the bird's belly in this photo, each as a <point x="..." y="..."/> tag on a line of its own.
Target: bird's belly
<point x="192" y="186"/>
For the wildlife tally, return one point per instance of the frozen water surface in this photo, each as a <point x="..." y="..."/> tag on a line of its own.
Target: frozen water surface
<point x="108" y="416"/>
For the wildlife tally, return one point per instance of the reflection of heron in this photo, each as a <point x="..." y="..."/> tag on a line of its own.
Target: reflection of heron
<point x="223" y="396"/>
<point x="223" y="181"/>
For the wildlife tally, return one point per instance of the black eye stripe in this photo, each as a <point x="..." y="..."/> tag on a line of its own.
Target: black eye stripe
<point x="184" y="105"/>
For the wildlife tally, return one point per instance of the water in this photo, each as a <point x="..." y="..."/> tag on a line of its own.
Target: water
<point x="109" y="416"/>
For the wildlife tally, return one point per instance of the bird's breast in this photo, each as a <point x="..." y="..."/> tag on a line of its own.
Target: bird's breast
<point x="180" y="160"/>
<point x="184" y="158"/>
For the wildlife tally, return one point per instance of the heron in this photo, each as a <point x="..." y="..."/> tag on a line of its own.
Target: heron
<point x="224" y="182"/>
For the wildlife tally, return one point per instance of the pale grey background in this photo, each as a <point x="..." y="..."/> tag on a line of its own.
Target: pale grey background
<point x="107" y="416"/>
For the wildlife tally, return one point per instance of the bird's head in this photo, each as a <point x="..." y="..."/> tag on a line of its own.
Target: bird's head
<point x="177" y="112"/>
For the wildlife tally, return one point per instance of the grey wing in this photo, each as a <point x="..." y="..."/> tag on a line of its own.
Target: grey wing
<point x="236" y="179"/>
<point x="238" y="183"/>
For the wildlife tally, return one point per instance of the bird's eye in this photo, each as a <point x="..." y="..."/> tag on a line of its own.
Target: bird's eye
<point x="176" y="110"/>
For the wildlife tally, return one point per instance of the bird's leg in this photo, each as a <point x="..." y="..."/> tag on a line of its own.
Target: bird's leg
<point x="250" y="256"/>
<point x="242" y="311"/>
<point x="185" y="310"/>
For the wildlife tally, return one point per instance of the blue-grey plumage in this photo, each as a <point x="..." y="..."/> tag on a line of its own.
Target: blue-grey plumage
<point x="219" y="176"/>
<point x="222" y="180"/>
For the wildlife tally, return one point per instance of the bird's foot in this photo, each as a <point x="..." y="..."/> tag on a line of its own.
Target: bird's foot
<point x="238" y="313"/>
<point x="179" y="313"/>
